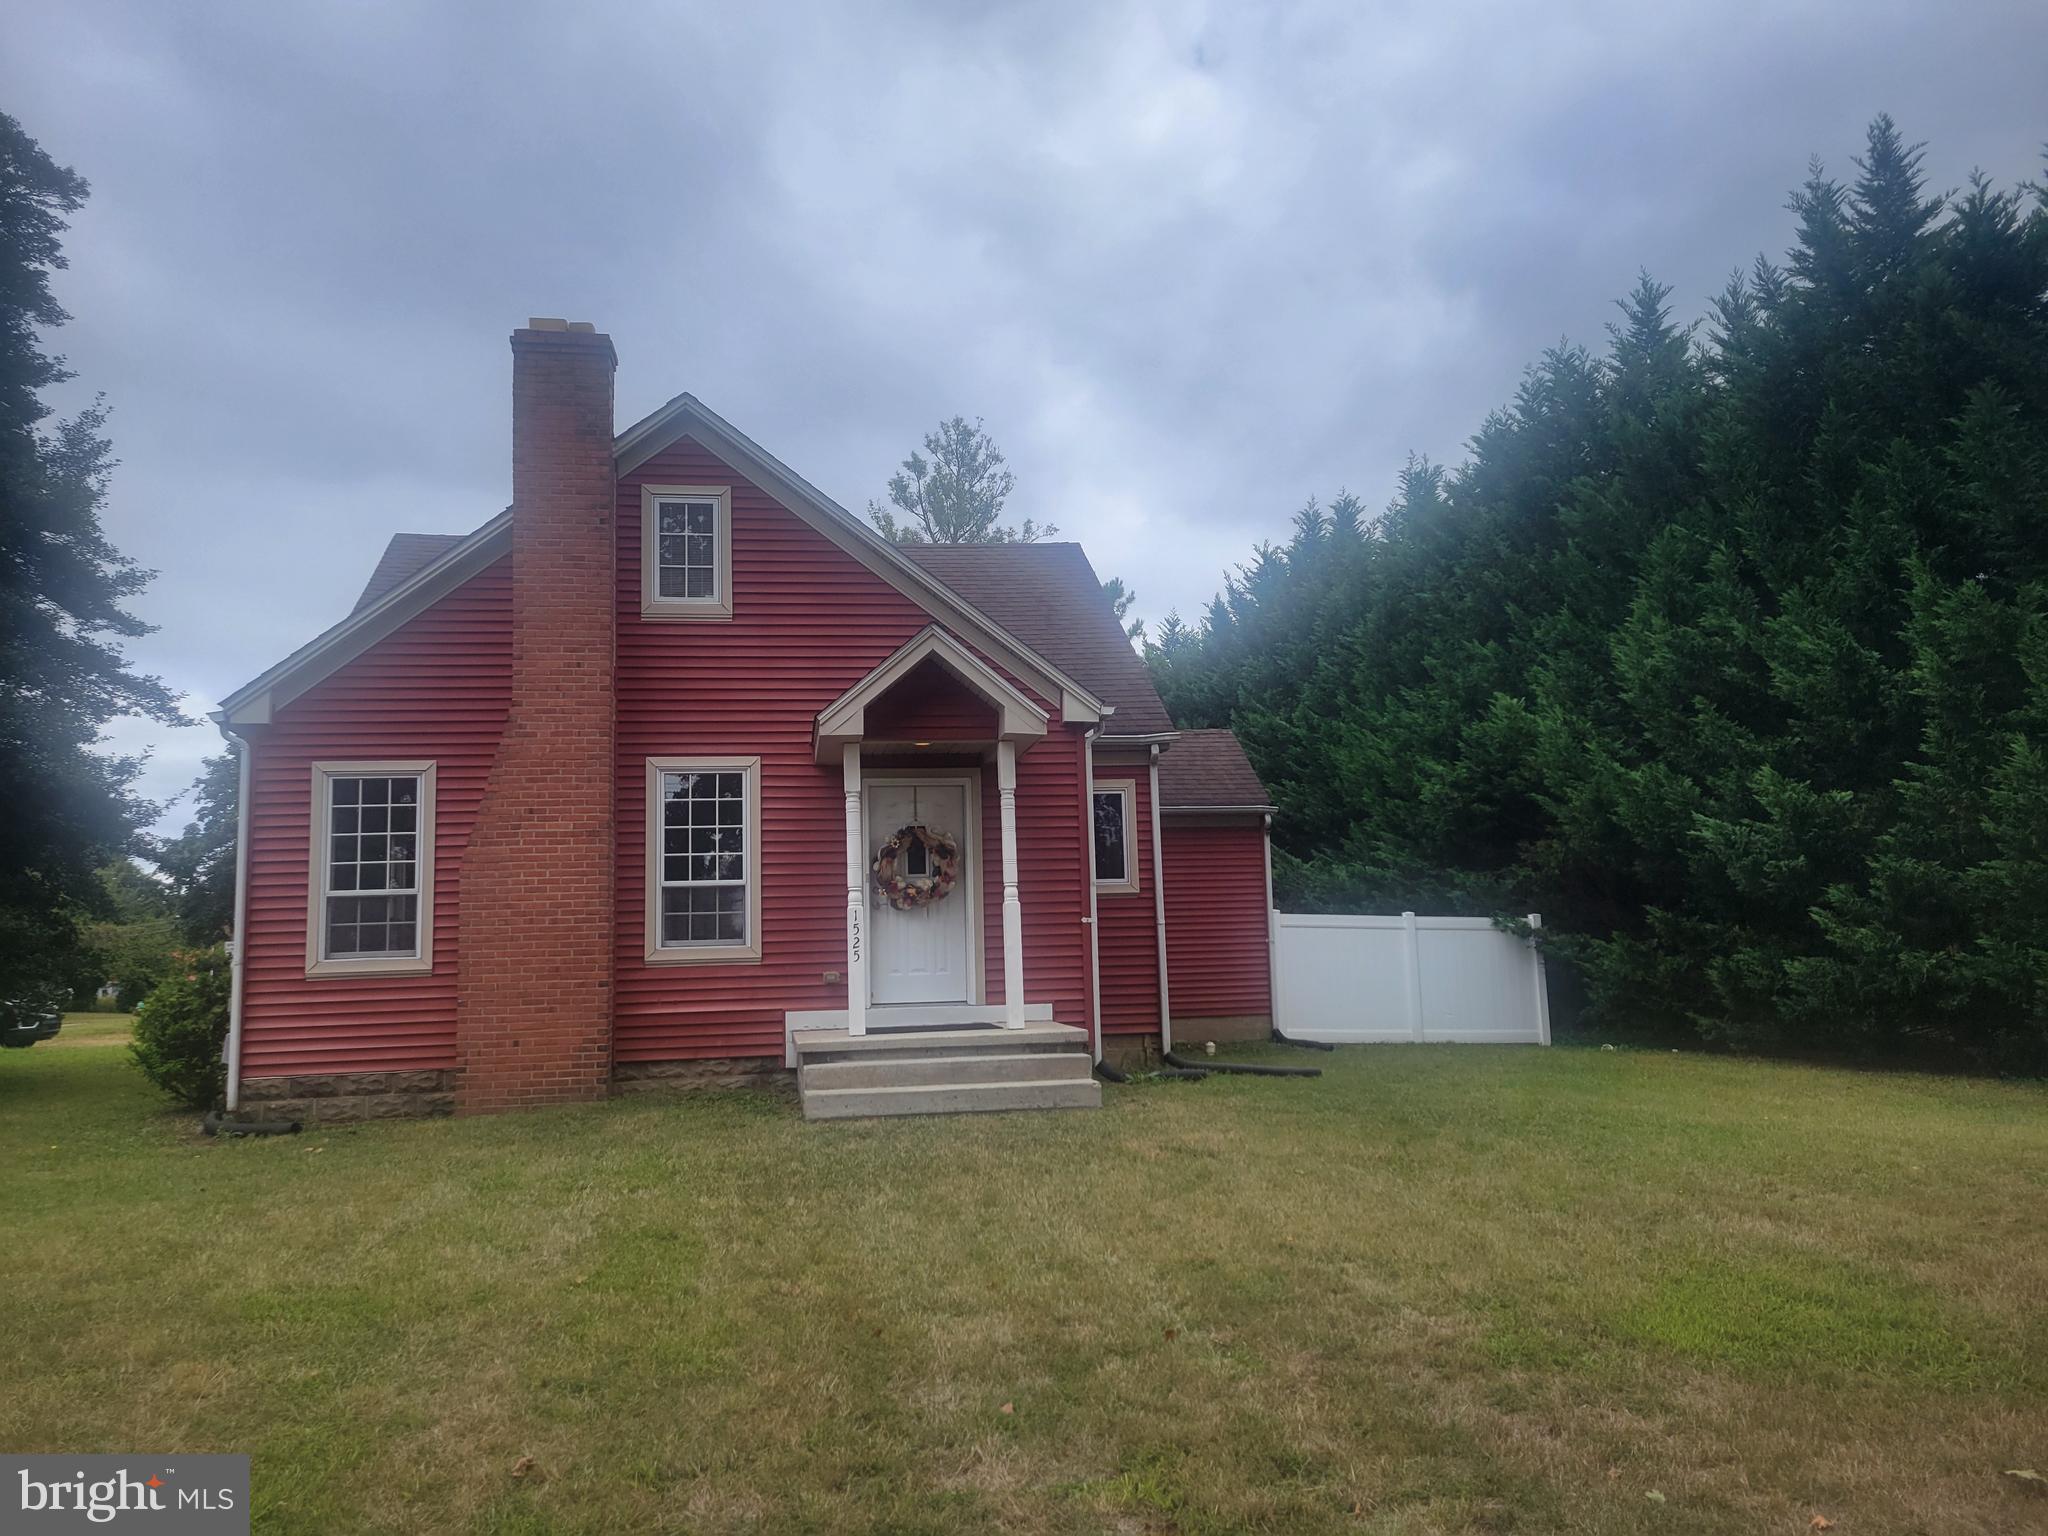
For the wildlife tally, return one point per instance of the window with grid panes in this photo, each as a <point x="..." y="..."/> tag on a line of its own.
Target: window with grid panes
<point x="706" y="859"/>
<point x="372" y="902"/>
<point x="686" y="548"/>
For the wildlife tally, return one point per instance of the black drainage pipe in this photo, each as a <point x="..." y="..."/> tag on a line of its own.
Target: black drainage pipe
<point x="217" y="1124"/>
<point x="1111" y="1074"/>
<point x="1246" y="1068"/>
<point x="1302" y="1045"/>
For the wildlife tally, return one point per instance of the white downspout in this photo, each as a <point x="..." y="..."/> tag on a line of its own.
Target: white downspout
<point x="1159" y="911"/>
<point x="239" y="947"/>
<point x="1088" y="836"/>
<point x="1272" y="930"/>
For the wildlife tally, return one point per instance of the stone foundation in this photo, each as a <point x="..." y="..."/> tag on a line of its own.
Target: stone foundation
<point x="693" y="1076"/>
<point x="1237" y="1029"/>
<point x="1131" y="1053"/>
<point x="1140" y="1053"/>
<point x="334" y="1098"/>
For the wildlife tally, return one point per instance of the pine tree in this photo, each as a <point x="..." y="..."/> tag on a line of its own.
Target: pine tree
<point x="63" y="587"/>
<point x="956" y="495"/>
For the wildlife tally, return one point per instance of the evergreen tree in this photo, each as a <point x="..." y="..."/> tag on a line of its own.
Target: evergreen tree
<point x="956" y="495"/>
<point x="62" y="590"/>
<point x="200" y="863"/>
<point x="1726" y="650"/>
<point x="1120" y="600"/>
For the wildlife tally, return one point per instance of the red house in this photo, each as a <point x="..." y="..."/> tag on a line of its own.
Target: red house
<point x="676" y="772"/>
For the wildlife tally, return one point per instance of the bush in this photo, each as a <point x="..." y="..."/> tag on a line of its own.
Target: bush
<point x="182" y="1026"/>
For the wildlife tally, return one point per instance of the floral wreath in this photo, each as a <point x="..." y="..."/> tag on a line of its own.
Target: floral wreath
<point x="906" y="893"/>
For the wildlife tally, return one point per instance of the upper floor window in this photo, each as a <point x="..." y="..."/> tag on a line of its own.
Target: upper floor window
<point x="1116" y="846"/>
<point x="371" y="883"/>
<point x="686" y="551"/>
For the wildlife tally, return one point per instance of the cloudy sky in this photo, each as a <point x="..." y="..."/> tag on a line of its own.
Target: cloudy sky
<point x="1193" y="263"/>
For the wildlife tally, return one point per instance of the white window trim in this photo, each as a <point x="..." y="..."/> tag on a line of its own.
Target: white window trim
<point x="321" y="819"/>
<point x="653" y="605"/>
<point x="1128" y="788"/>
<point x="748" y="953"/>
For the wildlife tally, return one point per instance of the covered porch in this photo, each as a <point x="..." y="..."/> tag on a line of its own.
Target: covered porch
<point x="933" y="915"/>
<point x="912" y="739"/>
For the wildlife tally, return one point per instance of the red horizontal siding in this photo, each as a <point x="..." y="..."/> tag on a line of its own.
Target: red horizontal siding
<point x="438" y="688"/>
<point x="1216" y="956"/>
<point x="1130" y="924"/>
<point x="808" y="622"/>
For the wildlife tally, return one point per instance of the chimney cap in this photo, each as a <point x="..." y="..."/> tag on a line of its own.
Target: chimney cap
<point x="544" y="334"/>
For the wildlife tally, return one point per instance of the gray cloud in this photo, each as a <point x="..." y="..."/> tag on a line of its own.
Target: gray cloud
<point x="1193" y="263"/>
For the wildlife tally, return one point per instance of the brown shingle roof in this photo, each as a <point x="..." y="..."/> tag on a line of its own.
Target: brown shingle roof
<point x="1208" y="770"/>
<point x="1049" y="597"/>
<point x="404" y="557"/>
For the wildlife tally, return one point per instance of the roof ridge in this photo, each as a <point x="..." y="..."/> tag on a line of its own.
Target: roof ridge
<point x="991" y="544"/>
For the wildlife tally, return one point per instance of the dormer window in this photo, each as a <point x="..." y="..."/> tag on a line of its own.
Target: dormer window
<point x="686" y="552"/>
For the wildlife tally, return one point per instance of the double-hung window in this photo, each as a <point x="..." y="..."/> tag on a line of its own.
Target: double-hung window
<point x="686" y="551"/>
<point x="1116" y="846"/>
<point x="703" y="859"/>
<point x="371" y="885"/>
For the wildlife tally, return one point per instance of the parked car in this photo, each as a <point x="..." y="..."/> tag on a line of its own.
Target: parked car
<point x="25" y="1020"/>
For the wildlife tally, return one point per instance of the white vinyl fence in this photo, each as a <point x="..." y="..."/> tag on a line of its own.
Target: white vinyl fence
<point x="1359" y="979"/>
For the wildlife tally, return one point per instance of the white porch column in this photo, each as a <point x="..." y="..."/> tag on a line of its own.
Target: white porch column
<point x="856" y="897"/>
<point x="1013" y="909"/>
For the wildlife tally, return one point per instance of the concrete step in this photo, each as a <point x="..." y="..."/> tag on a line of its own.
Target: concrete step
<point x="837" y="1045"/>
<point x="951" y="1098"/>
<point x="925" y="1071"/>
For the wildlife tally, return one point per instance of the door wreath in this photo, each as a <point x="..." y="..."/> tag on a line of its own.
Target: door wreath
<point x="907" y="892"/>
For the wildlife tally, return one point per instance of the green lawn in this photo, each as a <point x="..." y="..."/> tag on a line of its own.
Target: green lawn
<point x="1442" y="1289"/>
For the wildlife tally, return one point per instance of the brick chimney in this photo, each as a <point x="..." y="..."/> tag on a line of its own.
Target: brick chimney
<point x="534" y="986"/>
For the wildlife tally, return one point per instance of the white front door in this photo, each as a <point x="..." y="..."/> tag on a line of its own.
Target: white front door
<point x="924" y="955"/>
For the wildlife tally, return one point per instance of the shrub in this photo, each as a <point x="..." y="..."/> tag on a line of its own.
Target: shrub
<point x="181" y="1027"/>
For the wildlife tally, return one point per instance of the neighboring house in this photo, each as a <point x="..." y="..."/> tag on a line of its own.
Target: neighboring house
<point x="595" y="797"/>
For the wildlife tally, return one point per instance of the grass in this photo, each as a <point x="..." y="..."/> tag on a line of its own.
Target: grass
<point x="1442" y="1289"/>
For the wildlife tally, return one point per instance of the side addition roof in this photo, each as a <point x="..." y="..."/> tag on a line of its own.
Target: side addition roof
<point x="1208" y="771"/>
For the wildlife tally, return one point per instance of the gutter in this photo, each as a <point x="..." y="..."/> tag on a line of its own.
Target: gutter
<point x="238" y="945"/>
<point x="1159" y="912"/>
